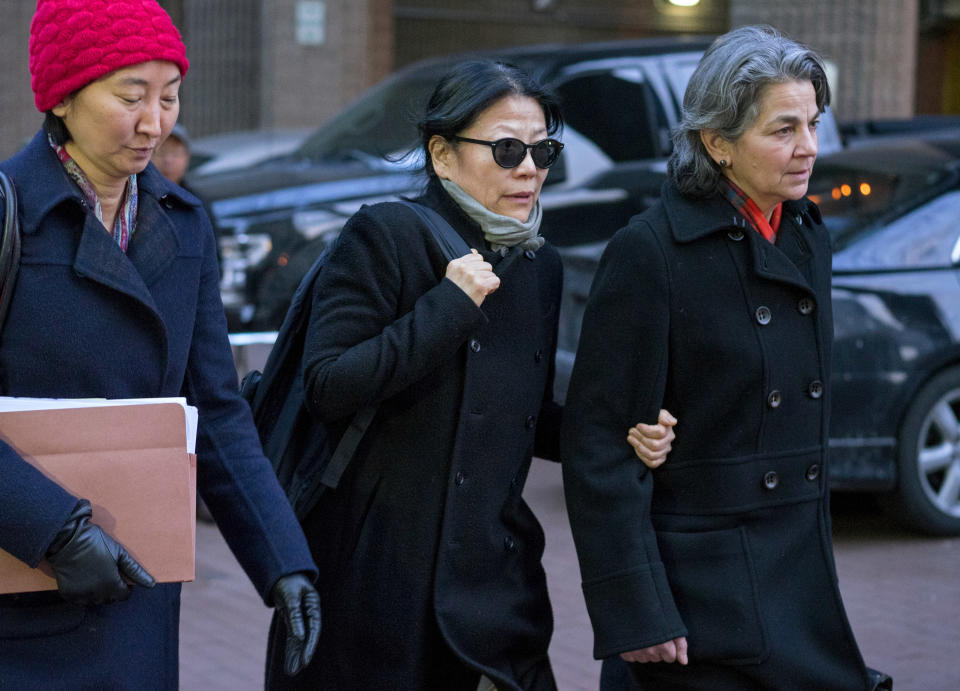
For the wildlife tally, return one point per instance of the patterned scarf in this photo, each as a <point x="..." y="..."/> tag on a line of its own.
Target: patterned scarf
<point x="746" y="206"/>
<point x="126" y="221"/>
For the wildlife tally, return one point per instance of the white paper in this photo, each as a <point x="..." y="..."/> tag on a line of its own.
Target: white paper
<point x="12" y="404"/>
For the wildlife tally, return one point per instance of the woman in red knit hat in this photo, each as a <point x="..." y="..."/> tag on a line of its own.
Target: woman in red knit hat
<point x="117" y="297"/>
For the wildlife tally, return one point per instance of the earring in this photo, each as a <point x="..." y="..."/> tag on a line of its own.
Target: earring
<point x="723" y="163"/>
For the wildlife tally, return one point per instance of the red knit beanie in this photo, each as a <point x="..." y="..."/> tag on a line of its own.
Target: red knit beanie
<point x="75" y="42"/>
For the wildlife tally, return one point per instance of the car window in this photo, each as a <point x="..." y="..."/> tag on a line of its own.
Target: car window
<point x="383" y="123"/>
<point x="861" y="200"/>
<point x="679" y="70"/>
<point x="614" y="110"/>
<point x="924" y="238"/>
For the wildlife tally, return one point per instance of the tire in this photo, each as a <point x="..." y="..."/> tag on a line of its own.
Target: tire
<point x="928" y="458"/>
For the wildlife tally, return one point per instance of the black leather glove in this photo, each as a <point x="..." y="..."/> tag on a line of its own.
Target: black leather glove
<point x="90" y="565"/>
<point x="298" y="603"/>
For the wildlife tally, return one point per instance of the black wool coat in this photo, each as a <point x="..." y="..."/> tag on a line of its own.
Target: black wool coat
<point x="728" y="543"/>
<point x="428" y="554"/>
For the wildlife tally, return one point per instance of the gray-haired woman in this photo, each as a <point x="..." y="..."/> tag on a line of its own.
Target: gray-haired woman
<point x="716" y="571"/>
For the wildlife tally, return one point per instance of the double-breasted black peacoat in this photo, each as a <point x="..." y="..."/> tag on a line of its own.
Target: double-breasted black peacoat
<point x="90" y="321"/>
<point x="429" y="557"/>
<point x="728" y="543"/>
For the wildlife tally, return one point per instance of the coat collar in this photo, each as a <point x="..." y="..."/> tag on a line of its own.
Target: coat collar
<point x="43" y="185"/>
<point x="691" y="219"/>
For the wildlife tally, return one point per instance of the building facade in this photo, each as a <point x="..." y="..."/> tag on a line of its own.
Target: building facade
<point x="295" y="63"/>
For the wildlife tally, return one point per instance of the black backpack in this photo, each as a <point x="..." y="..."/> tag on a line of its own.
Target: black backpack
<point x="299" y="447"/>
<point x="9" y="244"/>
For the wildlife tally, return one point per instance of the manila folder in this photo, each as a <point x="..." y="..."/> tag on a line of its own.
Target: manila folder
<point x="131" y="463"/>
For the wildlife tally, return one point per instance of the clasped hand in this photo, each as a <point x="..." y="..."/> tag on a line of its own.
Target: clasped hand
<point x="473" y="275"/>
<point x="652" y="443"/>
<point x="668" y="651"/>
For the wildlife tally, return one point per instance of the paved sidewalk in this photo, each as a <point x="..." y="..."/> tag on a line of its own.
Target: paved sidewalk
<point x="902" y="594"/>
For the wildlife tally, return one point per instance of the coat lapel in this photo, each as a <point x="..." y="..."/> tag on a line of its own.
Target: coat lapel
<point x="691" y="220"/>
<point x="100" y="259"/>
<point x="773" y="263"/>
<point x="154" y="246"/>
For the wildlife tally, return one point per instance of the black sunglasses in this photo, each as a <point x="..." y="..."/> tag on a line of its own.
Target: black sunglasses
<point x="509" y="152"/>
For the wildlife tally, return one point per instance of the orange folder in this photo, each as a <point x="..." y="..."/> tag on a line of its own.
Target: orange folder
<point x="131" y="463"/>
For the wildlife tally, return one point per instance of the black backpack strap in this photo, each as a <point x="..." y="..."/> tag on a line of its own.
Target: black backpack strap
<point x="9" y="245"/>
<point x="347" y="446"/>
<point x="450" y="241"/>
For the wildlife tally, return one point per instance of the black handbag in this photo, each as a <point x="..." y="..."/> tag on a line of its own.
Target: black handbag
<point x="9" y="245"/>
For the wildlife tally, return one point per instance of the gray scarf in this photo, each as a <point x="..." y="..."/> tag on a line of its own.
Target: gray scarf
<point x="502" y="232"/>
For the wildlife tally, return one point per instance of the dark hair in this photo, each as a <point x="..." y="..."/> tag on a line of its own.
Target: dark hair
<point x="471" y="87"/>
<point x="724" y="94"/>
<point x="56" y="128"/>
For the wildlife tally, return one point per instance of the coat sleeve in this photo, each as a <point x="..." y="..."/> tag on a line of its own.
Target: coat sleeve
<point x="234" y="477"/>
<point x="547" y="440"/>
<point x="360" y="349"/>
<point x="618" y="379"/>
<point x="33" y="508"/>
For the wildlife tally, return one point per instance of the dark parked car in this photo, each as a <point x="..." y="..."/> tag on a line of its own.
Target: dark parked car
<point x="894" y="212"/>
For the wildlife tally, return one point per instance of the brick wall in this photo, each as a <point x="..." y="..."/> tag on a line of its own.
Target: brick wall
<point x="222" y="89"/>
<point x="307" y="84"/>
<point x="437" y="27"/>
<point x="247" y="70"/>
<point x="872" y="42"/>
<point x="19" y="119"/>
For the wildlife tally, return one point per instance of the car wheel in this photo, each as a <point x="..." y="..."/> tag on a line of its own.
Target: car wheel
<point x="928" y="494"/>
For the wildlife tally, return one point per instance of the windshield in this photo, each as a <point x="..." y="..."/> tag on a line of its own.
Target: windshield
<point x="383" y="123"/>
<point x="854" y="197"/>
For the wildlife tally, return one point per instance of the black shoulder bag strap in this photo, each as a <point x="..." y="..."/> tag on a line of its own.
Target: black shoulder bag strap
<point x="451" y="242"/>
<point x="452" y="245"/>
<point x="9" y="245"/>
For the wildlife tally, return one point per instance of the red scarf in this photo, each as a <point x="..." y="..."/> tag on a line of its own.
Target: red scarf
<point x="749" y="209"/>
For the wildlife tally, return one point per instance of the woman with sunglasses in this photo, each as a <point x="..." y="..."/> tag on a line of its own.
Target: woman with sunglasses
<point x="429" y="557"/>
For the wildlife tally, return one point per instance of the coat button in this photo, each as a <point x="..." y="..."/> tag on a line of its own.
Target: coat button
<point x="805" y="306"/>
<point x="771" y="480"/>
<point x="474" y="345"/>
<point x="774" y="398"/>
<point x="530" y="254"/>
<point x="538" y="356"/>
<point x="813" y="472"/>
<point x="530" y="422"/>
<point x="799" y="220"/>
<point x="459" y="478"/>
<point x="815" y="390"/>
<point x="764" y="315"/>
<point x="735" y="235"/>
<point x="510" y="544"/>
